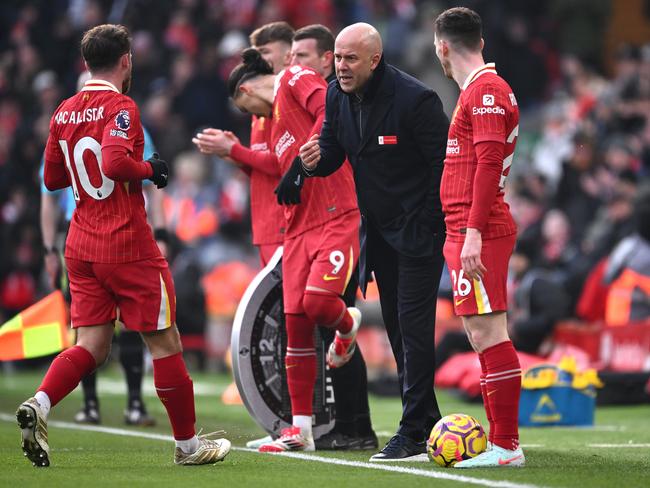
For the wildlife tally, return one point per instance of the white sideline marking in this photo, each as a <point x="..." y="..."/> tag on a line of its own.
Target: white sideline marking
<point x="400" y="469"/>
<point x="609" y="446"/>
<point x="111" y="386"/>
<point x="295" y="455"/>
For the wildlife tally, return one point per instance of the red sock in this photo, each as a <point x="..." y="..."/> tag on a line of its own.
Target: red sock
<point x="327" y="310"/>
<point x="486" y="402"/>
<point x="175" y="390"/>
<point x="65" y="373"/>
<point x="300" y="363"/>
<point x="503" y="388"/>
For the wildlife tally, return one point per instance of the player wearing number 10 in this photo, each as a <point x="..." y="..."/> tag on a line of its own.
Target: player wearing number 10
<point x="480" y="230"/>
<point x="95" y="145"/>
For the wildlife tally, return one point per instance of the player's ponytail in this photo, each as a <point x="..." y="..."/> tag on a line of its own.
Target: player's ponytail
<point x="252" y="65"/>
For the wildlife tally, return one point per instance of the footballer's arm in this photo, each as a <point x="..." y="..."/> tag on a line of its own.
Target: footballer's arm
<point x="118" y="165"/>
<point x="55" y="175"/>
<point x="326" y="150"/>
<point x="264" y="161"/>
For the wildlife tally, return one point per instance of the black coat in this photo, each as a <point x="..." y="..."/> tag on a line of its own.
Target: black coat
<point x="398" y="185"/>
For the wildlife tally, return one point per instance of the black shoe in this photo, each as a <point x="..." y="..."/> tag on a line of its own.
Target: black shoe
<point x="400" y="448"/>
<point x="368" y="442"/>
<point x="336" y="441"/>
<point x="136" y="414"/>
<point x="89" y="414"/>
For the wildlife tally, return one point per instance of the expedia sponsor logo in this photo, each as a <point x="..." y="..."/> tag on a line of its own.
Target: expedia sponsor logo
<point x="452" y="146"/>
<point x="299" y="75"/>
<point x="260" y="146"/>
<point x="488" y="110"/>
<point x="284" y="143"/>
<point x="488" y="100"/>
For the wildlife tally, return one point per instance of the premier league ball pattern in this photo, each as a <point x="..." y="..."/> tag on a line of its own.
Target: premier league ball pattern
<point x="455" y="438"/>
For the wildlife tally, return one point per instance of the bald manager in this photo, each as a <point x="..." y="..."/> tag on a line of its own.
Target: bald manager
<point x="393" y="130"/>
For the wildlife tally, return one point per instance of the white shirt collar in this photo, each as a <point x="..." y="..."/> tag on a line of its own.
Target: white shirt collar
<point x="99" y="85"/>
<point x="481" y="70"/>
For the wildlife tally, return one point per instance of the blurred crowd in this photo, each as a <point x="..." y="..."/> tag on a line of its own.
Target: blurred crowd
<point x="584" y="145"/>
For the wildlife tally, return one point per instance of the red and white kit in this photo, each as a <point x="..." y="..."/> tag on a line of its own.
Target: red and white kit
<point x="321" y="244"/>
<point x="267" y="217"/>
<point x="471" y="192"/>
<point x="95" y="145"/>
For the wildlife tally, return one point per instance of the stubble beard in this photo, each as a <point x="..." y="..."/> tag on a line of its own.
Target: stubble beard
<point x="126" y="84"/>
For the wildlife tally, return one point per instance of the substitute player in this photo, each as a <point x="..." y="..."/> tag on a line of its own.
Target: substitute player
<point x="321" y="240"/>
<point x="95" y="145"/>
<point x="480" y="230"/>
<point x="273" y="41"/>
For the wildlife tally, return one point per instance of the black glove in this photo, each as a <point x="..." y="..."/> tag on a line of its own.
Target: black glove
<point x="160" y="171"/>
<point x="288" y="191"/>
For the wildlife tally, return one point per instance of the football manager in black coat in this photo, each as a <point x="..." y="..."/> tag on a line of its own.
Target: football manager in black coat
<point x="393" y="130"/>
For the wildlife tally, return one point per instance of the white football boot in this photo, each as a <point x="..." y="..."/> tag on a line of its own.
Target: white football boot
<point x="291" y="439"/>
<point x="496" y="457"/>
<point x="210" y="451"/>
<point x="342" y="347"/>
<point x="33" y="430"/>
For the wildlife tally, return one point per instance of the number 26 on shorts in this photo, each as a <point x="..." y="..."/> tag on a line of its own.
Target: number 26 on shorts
<point x="462" y="287"/>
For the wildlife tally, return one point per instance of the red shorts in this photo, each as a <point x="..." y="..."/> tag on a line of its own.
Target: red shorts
<point x="489" y="294"/>
<point x="142" y="290"/>
<point x="323" y="257"/>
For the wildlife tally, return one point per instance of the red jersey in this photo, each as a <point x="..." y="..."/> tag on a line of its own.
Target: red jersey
<point x="486" y="111"/>
<point x="267" y="217"/>
<point x="109" y="224"/>
<point x="298" y="113"/>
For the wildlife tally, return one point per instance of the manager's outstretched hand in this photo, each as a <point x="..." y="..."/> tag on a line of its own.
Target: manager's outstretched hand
<point x="310" y="153"/>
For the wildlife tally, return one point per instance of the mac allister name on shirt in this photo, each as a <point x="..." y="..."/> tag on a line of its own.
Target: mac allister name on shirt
<point x="78" y="117"/>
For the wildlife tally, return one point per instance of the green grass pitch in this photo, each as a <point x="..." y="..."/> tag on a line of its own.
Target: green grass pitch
<point x="556" y="457"/>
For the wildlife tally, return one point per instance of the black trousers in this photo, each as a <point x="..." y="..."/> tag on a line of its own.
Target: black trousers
<point x="408" y="289"/>
<point x="350" y="382"/>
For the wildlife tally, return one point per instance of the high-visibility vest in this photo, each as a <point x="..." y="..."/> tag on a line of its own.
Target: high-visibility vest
<point x="620" y="301"/>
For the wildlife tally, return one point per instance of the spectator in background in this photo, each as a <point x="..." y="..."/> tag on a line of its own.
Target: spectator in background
<point x="190" y="201"/>
<point x="539" y="301"/>
<point x="628" y="270"/>
<point x="577" y="192"/>
<point x="273" y="41"/>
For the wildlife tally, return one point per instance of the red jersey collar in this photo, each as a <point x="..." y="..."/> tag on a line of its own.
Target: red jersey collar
<point x="486" y="68"/>
<point x="99" y="85"/>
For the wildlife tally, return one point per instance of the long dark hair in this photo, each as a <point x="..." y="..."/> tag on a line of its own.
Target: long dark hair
<point x="252" y="65"/>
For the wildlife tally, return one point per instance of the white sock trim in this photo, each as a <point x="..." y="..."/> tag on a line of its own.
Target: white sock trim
<point x="44" y="402"/>
<point x="304" y="422"/>
<point x="501" y="373"/>
<point x="188" y="446"/>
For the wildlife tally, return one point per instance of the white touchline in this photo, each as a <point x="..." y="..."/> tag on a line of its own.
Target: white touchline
<point x="609" y="446"/>
<point x="296" y="455"/>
